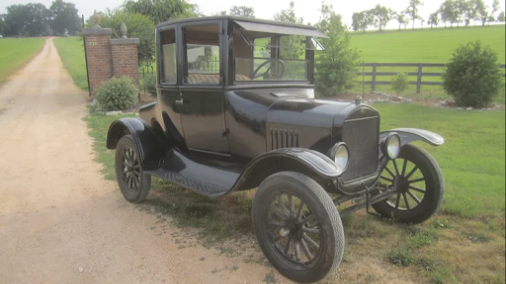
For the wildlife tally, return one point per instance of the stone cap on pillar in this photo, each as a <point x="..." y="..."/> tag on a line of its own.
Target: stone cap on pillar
<point x="125" y="41"/>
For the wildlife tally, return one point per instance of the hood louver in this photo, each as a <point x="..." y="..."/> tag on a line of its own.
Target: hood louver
<point x="284" y="138"/>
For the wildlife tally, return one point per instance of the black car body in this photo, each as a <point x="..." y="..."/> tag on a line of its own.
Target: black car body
<point x="219" y="126"/>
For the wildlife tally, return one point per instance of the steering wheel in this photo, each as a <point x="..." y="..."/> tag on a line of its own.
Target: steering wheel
<point x="269" y="72"/>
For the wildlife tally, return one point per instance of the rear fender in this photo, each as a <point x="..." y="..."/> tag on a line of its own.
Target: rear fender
<point x="413" y="134"/>
<point x="150" y="144"/>
<point x="311" y="163"/>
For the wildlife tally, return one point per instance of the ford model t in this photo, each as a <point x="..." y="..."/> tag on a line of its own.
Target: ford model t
<point x="235" y="110"/>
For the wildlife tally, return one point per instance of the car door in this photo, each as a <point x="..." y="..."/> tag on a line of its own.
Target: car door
<point x="202" y="105"/>
<point x="169" y="97"/>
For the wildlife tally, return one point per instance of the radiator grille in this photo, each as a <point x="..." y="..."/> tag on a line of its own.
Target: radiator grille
<point x="361" y="136"/>
<point x="284" y="138"/>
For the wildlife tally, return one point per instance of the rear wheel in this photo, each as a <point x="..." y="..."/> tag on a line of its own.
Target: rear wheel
<point x="132" y="181"/>
<point x="418" y="181"/>
<point x="298" y="227"/>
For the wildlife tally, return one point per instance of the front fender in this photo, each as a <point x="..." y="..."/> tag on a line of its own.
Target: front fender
<point x="413" y="134"/>
<point x="150" y="144"/>
<point x="308" y="162"/>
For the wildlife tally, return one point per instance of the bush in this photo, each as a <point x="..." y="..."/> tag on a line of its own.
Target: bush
<point x="472" y="77"/>
<point x="150" y="84"/>
<point x="117" y="93"/>
<point x="400" y="82"/>
<point x="336" y="66"/>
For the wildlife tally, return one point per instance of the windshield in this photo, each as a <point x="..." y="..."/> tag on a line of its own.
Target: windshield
<point x="272" y="57"/>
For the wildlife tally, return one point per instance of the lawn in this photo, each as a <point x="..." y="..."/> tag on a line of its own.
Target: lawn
<point x="422" y="46"/>
<point x="15" y="52"/>
<point x="426" y="46"/>
<point x="71" y="52"/>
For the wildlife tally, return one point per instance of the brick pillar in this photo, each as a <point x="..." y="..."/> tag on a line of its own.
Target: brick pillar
<point x="125" y="61"/>
<point x="98" y="54"/>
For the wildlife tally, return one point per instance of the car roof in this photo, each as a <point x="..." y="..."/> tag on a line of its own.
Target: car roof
<point x="240" y="19"/>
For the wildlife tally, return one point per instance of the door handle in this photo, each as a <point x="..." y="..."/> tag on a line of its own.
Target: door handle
<point x="179" y="102"/>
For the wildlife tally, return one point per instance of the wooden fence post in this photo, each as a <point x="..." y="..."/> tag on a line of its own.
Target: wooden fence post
<point x="373" y="81"/>
<point x="419" y="80"/>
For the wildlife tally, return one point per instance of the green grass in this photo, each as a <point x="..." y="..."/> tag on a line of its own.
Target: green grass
<point x="425" y="46"/>
<point x="421" y="46"/>
<point x="15" y="52"/>
<point x="472" y="159"/>
<point x="71" y="52"/>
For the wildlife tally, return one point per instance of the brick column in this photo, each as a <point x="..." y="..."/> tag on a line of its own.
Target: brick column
<point x="125" y="61"/>
<point x="98" y="52"/>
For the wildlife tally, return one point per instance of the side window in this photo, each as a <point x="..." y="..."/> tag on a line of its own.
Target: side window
<point x="202" y="54"/>
<point x="169" y="70"/>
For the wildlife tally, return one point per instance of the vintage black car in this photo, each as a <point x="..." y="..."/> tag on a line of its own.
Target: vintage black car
<point x="235" y="110"/>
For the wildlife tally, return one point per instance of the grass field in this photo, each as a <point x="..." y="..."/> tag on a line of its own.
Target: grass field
<point x="71" y="52"/>
<point x="14" y="52"/>
<point x="422" y="46"/>
<point x="464" y="243"/>
<point x="425" y="46"/>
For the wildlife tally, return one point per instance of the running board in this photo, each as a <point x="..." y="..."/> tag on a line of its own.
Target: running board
<point x="205" y="177"/>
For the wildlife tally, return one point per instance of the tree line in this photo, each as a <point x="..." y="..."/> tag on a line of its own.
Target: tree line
<point x="35" y="19"/>
<point x="450" y="12"/>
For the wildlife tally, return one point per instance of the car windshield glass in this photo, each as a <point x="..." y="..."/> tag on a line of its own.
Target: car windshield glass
<point x="272" y="57"/>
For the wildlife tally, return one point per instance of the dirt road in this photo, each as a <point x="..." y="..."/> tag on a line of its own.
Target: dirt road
<point x="60" y="221"/>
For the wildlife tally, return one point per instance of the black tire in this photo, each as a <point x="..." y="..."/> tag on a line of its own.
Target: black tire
<point x="132" y="181"/>
<point x="301" y="228"/>
<point x="410" y="189"/>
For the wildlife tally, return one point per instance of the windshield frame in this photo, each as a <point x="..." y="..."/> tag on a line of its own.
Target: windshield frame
<point x="236" y="33"/>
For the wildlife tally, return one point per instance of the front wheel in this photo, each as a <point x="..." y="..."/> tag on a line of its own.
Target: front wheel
<point x="417" y="179"/>
<point x="132" y="181"/>
<point x="298" y="227"/>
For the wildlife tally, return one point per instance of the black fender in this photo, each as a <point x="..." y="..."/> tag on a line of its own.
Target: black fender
<point x="309" y="162"/>
<point x="413" y="134"/>
<point x="150" y="144"/>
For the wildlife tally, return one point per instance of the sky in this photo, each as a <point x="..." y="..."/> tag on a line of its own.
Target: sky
<point x="265" y="9"/>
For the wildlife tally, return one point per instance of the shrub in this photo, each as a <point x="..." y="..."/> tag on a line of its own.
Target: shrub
<point x="117" y="93"/>
<point x="472" y="76"/>
<point x="336" y="66"/>
<point x="150" y="84"/>
<point x="400" y="82"/>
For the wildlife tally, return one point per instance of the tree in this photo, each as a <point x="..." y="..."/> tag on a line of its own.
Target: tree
<point x="26" y="20"/>
<point x="421" y="21"/>
<point x="495" y="7"/>
<point x="336" y="66"/>
<point x="64" y="16"/>
<point x="138" y="26"/>
<point x="501" y="17"/>
<point x="449" y="12"/>
<point x="401" y="18"/>
<point x="162" y="10"/>
<point x="288" y="15"/>
<point x="358" y="19"/>
<point x="433" y="19"/>
<point x="381" y="15"/>
<point x="242" y="11"/>
<point x="413" y="10"/>
<point x="481" y="13"/>
<point x="461" y="8"/>
<point x="491" y="19"/>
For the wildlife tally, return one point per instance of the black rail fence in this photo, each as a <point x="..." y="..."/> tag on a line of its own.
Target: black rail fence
<point x="419" y="74"/>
